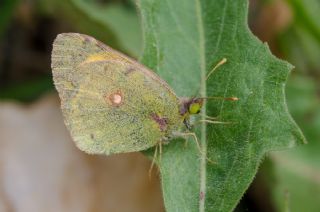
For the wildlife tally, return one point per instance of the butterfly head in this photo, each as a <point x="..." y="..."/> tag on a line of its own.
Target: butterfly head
<point x="190" y="106"/>
<point x="195" y="105"/>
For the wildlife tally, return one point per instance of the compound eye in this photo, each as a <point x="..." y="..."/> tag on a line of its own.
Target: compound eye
<point x="194" y="108"/>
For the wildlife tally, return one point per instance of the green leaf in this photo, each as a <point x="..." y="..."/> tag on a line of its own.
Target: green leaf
<point x="183" y="41"/>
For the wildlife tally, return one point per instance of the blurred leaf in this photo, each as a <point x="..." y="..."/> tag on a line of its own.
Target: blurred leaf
<point x="113" y="23"/>
<point x="27" y="91"/>
<point x="307" y="15"/>
<point x="301" y="42"/>
<point x="297" y="172"/>
<point x="183" y="41"/>
<point x="122" y="21"/>
<point x="301" y="48"/>
<point x="297" y="178"/>
<point x="302" y="96"/>
<point x="79" y="21"/>
<point x="6" y="10"/>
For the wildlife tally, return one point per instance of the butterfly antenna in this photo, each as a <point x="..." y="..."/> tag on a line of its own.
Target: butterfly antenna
<point x="221" y="98"/>
<point x="223" y="61"/>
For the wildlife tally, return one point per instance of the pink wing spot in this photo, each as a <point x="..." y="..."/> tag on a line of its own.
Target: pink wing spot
<point x="162" y="122"/>
<point x="116" y="98"/>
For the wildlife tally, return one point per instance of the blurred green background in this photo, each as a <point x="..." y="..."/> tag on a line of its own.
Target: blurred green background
<point x="287" y="180"/>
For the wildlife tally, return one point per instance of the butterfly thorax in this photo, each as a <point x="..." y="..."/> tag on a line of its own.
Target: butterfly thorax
<point x="169" y="125"/>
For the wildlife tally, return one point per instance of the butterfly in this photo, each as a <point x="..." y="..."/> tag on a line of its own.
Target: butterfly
<point x="113" y="104"/>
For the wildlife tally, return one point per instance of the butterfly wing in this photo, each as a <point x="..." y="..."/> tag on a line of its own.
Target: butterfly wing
<point x="111" y="103"/>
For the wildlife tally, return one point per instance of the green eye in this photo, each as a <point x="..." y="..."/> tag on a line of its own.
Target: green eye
<point x="194" y="108"/>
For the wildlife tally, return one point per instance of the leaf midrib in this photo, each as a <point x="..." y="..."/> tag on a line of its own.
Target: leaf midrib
<point x="203" y="93"/>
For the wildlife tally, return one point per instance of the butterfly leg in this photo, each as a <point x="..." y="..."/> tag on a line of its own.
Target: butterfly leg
<point x="185" y="143"/>
<point x="211" y="117"/>
<point x="159" y="145"/>
<point x="195" y="138"/>
<point x="214" y="122"/>
<point x="153" y="160"/>
<point x="160" y="152"/>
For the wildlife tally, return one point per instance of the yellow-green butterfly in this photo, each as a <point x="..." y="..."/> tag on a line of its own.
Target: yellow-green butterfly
<point x="111" y="103"/>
